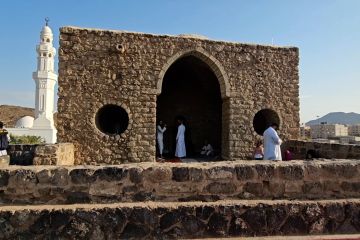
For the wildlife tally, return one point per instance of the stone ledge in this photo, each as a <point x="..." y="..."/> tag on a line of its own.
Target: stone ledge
<point x="42" y="154"/>
<point x="318" y="179"/>
<point x="301" y="149"/>
<point x="153" y="220"/>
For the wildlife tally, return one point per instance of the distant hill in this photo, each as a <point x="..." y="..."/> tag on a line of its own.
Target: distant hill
<point x="10" y="114"/>
<point x="337" y="117"/>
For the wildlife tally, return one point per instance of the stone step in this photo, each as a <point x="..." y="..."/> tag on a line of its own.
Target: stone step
<point x="169" y="220"/>
<point x="179" y="182"/>
<point x="311" y="237"/>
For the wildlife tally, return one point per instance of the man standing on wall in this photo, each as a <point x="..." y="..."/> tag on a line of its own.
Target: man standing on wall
<point x="180" y="151"/>
<point x="4" y="140"/>
<point x="272" y="142"/>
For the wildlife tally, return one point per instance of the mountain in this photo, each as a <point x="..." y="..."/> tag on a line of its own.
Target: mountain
<point x="337" y="117"/>
<point x="10" y="114"/>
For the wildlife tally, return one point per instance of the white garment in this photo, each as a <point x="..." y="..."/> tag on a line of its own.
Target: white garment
<point x="272" y="142"/>
<point x="160" y="138"/>
<point x="180" y="142"/>
<point x="4" y="152"/>
<point x="207" y="150"/>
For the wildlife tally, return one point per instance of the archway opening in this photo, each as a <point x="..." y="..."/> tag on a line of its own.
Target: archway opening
<point x="263" y="119"/>
<point x="191" y="91"/>
<point x="112" y="119"/>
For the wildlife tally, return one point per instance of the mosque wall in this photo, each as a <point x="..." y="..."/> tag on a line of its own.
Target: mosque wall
<point x="101" y="70"/>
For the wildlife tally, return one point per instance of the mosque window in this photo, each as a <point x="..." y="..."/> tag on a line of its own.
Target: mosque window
<point x="48" y="40"/>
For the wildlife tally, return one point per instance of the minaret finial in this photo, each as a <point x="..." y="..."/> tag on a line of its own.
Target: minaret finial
<point x="47" y="20"/>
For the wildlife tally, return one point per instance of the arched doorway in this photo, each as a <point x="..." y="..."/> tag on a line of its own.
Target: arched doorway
<point x="191" y="90"/>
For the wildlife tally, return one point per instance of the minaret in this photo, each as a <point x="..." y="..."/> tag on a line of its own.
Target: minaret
<point x="45" y="79"/>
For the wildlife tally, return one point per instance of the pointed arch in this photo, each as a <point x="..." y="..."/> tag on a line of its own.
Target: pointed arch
<point x="211" y="61"/>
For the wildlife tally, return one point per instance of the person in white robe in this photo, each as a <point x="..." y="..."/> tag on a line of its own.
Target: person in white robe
<point x="161" y="128"/>
<point x="180" y="151"/>
<point x="272" y="142"/>
<point x="207" y="149"/>
<point x="4" y="140"/>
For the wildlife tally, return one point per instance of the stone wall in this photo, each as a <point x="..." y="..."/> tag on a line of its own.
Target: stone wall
<point x="318" y="179"/>
<point x="308" y="149"/>
<point x="44" y="154"/>
<point x="21" y="154"/>
<point x="181" y="220"/>
<point x="100" y="67"/>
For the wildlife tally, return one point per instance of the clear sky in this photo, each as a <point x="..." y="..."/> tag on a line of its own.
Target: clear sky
<point x="326" y="31"/>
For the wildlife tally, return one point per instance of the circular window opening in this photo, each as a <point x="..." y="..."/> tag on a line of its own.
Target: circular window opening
<point x="112" y="119"/>
<point x="263" y="119"/>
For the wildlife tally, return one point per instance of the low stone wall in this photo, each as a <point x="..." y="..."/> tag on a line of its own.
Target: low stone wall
<point x="318" y="179"/>
<point x="302" y="149"/>
<point x="180" y="220"/>
<point x="21" y="154"/>
<point x="43" y="154"/>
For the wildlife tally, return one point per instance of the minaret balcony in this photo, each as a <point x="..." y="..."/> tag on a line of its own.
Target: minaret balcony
<point x="44" y="75"/>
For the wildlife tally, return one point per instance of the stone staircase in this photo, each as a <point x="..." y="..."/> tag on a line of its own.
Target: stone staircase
<point x="170" y="201"/>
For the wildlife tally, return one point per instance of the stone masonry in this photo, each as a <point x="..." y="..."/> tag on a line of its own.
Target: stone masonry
<point x="182" y="220"/>
<point x="41" y="154"/>
<point x="226" y="180"/>
<point x="308" y="149"/>
<point x="101" y="67"/>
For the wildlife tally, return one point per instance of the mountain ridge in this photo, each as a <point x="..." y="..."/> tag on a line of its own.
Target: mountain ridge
<point x="9" y="114"/>
<point x="337" y="117"/>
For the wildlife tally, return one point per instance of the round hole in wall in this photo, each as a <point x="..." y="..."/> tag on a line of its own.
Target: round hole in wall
<point x="112" y="119"/>
<point x="263" y="119"/>
<point x="120" y="48"/>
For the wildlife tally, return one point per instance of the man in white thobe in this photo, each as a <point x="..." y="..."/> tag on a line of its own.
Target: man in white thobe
<point x="161" y="128"/>
<point x="4" y="140"/>
<point x="272" y="142"/>
<point x="180" y="151"/>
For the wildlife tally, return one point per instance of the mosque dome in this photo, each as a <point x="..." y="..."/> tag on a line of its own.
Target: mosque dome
<point x="25" y="122"/>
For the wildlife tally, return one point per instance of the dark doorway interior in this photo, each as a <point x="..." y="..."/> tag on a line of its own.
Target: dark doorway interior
<point x="191" y="90"/>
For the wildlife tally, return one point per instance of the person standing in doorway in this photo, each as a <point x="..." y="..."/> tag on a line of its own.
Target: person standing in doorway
<point x="272" y="142"/>
<point x="161" y="128"/>
<point x="180" y="151"/>
<point x="4" y="140"/>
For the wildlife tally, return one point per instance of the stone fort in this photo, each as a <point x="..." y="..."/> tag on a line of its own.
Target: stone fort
<point x="114" y="86"/>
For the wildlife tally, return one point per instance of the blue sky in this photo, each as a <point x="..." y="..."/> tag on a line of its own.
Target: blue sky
<point x="326" y="31"/>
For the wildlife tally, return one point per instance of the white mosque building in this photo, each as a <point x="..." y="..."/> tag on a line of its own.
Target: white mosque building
<point x="45" y="79"/>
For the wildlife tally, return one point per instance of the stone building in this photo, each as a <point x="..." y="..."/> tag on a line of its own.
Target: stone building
<point x="328" y="130"/>
<point x="305" y="132"/>
<point x="114" y="86"/>
<point x="354" y="130"/>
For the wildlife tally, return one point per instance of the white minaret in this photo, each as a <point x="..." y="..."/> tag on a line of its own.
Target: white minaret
<point x="45" y="79"/>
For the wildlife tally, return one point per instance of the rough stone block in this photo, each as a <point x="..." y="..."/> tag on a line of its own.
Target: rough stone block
<point x="4" y="160"/>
